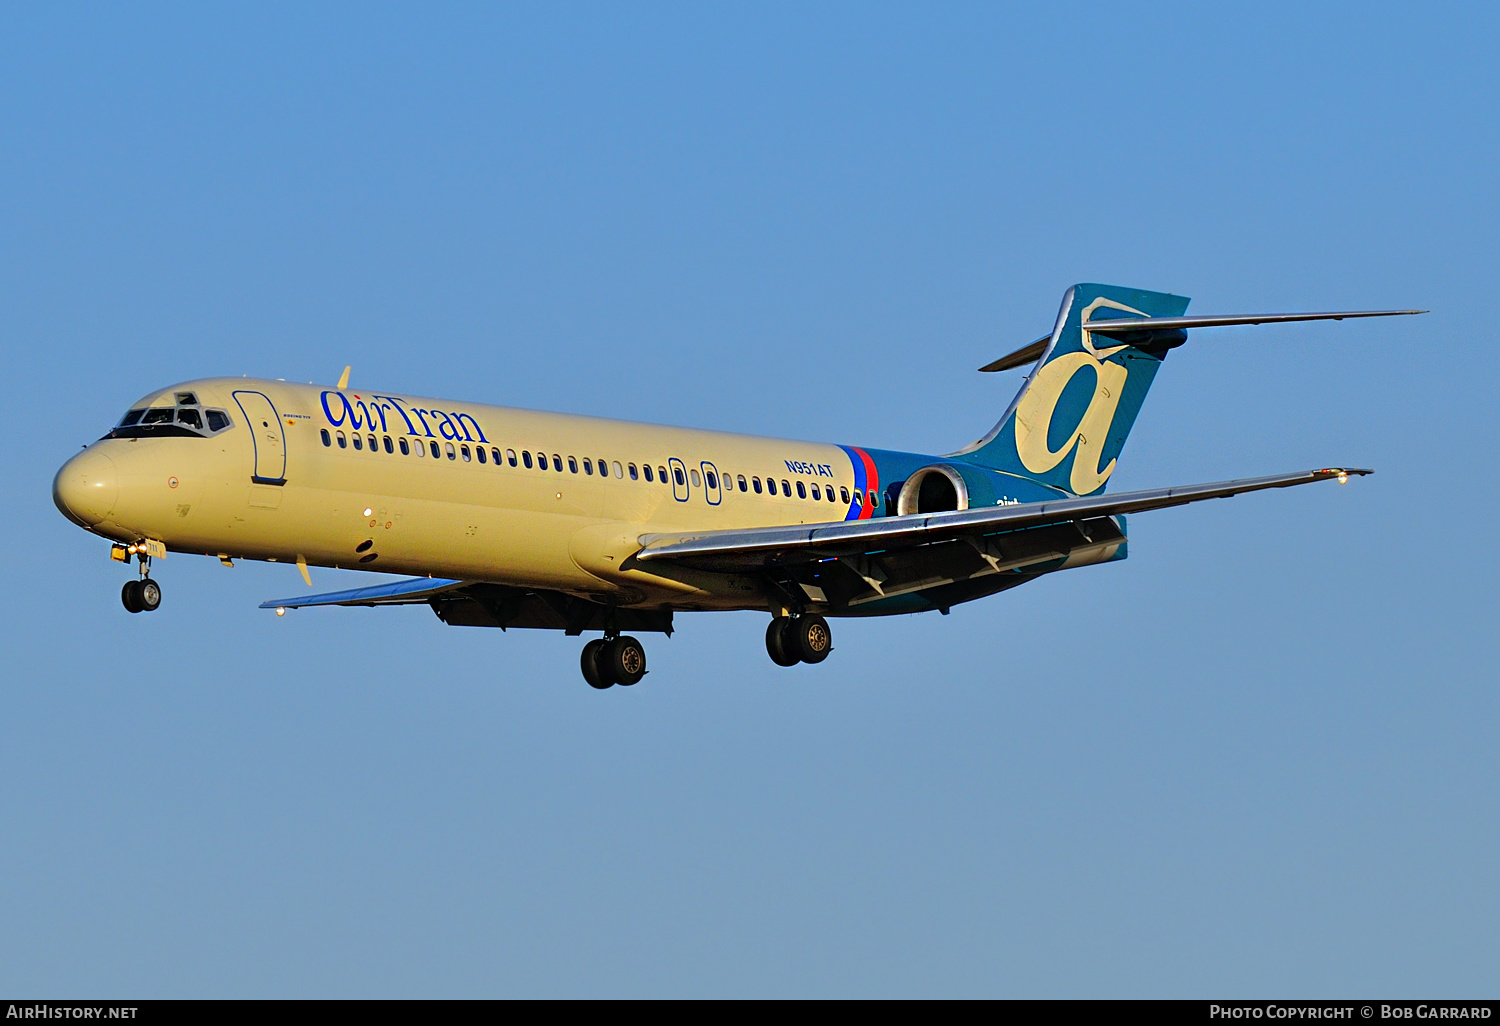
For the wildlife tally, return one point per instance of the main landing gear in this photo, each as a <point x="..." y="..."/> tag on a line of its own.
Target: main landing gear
<point x="610" y="661"/>
<point x="798" y="639"/>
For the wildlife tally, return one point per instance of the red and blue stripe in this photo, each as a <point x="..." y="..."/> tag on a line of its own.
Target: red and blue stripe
<point x="866" y="480"/>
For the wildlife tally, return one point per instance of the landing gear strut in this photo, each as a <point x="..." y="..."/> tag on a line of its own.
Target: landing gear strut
<point x="609" y="661"/>
<point x="798" y="639"/>
<point x="144" y="595"/>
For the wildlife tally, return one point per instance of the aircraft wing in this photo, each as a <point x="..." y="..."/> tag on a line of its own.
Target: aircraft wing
<point x="758" y="548"/>
<point x="398" y="593"/>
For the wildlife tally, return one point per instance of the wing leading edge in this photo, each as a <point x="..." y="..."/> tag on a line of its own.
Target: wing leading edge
<point x="415" y="590"/>
<point x="762" y="546"/>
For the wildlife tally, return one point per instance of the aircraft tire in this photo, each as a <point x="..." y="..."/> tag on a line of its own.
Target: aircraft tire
<point x="625" y="660"/>
<point x="150" y="594"/>
<point x="593" y="665"/>
<point x="811" y="638"/>
<point x="130" y="597"/>
<point x="777" y="636"/>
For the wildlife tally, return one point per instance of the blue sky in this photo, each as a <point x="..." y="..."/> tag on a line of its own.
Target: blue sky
<point x="1257" y="758"/>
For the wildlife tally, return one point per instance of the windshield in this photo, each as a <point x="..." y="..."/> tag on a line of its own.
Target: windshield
<point x="185" y="420"/>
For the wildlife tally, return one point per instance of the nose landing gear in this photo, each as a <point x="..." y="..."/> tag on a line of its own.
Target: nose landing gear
<point x="141" y="596"/>
<point x="798" y="639"/>
<point x="609" y="661"/>
<point x="144" y="595"/>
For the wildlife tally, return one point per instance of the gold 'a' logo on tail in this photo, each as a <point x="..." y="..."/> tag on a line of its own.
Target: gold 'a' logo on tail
<point x="1039" y="404"/>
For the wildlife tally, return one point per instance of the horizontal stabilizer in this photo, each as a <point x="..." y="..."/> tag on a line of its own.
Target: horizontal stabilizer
<point x="398" y="593"/>
<point x="1124" y="324"/>
<point x="1021" y="357"/>
<point x="1029" y="354"/>
<point x="754" y="547"/>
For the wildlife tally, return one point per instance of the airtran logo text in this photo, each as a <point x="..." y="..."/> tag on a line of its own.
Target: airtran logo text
<point x="363" y="414"/>
<point x="1038" y="406"/>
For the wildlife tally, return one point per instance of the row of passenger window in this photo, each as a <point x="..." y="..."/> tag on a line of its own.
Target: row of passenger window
<point x="555" y="463"/>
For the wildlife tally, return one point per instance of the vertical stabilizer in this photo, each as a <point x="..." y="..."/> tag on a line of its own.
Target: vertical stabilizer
<point x="1068" y="423"/>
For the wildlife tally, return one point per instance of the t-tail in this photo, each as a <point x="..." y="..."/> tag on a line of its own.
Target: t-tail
<point x="1068" y="424"/>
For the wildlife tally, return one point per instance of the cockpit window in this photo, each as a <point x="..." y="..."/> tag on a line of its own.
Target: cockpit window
<point x="185" y="420"/>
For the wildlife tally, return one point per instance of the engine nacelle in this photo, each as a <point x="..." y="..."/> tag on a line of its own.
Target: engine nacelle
<point x="938" y="488"/>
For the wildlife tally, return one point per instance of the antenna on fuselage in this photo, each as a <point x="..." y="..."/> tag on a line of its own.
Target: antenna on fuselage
<point x="344" y="377"/>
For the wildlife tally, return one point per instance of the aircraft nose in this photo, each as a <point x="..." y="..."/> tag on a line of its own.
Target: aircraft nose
<point x="86" y="487"/>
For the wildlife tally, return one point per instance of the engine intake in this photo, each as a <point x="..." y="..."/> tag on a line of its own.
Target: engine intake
<point x="934" y="489"/>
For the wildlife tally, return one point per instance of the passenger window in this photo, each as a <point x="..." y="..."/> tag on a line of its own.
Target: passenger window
<point x="510" y="457"/>
<point x="463" y="450"/>
<point x="342" y="444"/>
<point x="374" y="444"/>
<point x="661" y="474"/>
<point x="677" y="473"/>
<point x="755" y="483"/>
<point x="815" y="492"/>
<point x="694" y="475"/>
<point x="541" y="460"/>
<point x="635" y="475"/>
<point x="743" y="487"/>
<point x="572" y="465"/>
<point x="857" y="497"/>
<point x="801" y="490"/>
<point x="158" y="416"/>
<point x="647" y="469"/>
<point x="186" y="399"/>
<point x="432" y="447"/>
<point x="557" y="463"/>
<point x="829" y="490"/>
<point x="526" y="459"/>
<point x="874" y="499"/>
<point x="843" y="494"/>
<point x="495" y="455"/>
<point x="327" y="439"/>
<point x="713" y="482"/>
<point x="389" y="447"/>
<point x="405" y="447"/>
<point x="619" y="470"/>
<point x="452" y="454"/>
<point x="786" y="489"/>
<point x="358" y="444"/>
<point x="479" y="454"/>
<point x="588" y="466"/>
<point x="190" y="417"/>
<point x="216" y="420"/>
<point x="419" y="448"/>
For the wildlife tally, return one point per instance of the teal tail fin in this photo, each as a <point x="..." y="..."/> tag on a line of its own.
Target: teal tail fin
<point x="1068" y="423"/>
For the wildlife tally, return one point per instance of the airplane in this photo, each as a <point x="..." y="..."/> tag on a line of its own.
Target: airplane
<point x="507" y="518"/>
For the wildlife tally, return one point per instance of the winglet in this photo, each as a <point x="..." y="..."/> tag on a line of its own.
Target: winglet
<point x="344" y="377"/>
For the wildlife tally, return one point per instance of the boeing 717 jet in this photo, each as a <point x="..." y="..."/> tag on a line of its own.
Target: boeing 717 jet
<point x="506" y="518"/>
